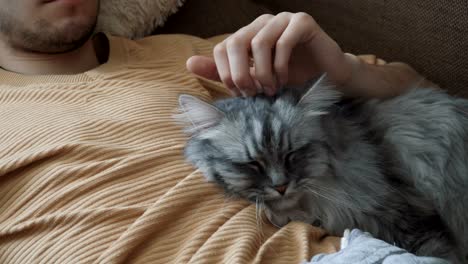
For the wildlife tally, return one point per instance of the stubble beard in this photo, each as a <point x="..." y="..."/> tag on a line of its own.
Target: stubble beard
<point x="44" y="37"/>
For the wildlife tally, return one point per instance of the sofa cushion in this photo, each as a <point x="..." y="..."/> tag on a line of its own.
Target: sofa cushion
<point x="430" y="35"/>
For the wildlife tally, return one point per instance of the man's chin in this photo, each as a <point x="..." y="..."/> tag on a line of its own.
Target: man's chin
<point x="47" y="30"/>
<point x="64" y="45"/>
<point x="57" y="41"/>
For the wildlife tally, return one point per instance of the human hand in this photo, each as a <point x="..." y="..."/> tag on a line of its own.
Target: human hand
<point x="290" y="49"/>
<point x="271" y="52"/>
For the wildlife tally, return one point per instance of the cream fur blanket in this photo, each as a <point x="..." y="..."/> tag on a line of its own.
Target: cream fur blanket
<point x="134" y="18"/>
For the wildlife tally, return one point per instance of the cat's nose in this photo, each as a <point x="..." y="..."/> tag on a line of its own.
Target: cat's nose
<point x="281" y="188"/>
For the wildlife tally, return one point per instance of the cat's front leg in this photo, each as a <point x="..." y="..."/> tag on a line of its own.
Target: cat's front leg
<point x="277" y="219"/>
<point x="282" y="211"/>
<point x="280" y="218"/>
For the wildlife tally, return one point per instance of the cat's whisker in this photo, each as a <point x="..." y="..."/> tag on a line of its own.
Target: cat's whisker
<point x="324" y="188"/>
<point x="260" y="215"/>
<point x="341" y="192"/>
<point x="315" y="188"/>
<point x="334" y="200"/>
<point x="372" y="198"/>
<point x="257" y="209"/>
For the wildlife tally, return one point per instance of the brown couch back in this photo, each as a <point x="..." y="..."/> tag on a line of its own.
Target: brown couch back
<point x="430" y="35"/>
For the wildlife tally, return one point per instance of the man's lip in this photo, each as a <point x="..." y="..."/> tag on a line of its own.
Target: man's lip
<point x="65" y="1"/>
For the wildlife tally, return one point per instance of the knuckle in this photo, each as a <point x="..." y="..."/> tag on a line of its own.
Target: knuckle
<point x="235" y="41"/>
<point x="265" y="17"/>
<point x="219" y="49"/>
<point x="303" y="17"/>
<point x="283" y="43"/>
<point x="284" y="14"/>
<point x="242" y="31"/>
<point x="305" y="21"/>
<point x="258" y="43"/>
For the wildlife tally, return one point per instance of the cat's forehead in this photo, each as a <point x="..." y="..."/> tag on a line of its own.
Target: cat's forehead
<point x="269" y="131"/>
<point x="248" y="104"/>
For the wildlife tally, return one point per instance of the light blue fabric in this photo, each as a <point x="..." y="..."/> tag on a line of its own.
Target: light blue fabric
<point x="362" y="248"/>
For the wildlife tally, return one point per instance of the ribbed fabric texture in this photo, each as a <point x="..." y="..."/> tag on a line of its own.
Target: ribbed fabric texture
<point x="92" y="170"/>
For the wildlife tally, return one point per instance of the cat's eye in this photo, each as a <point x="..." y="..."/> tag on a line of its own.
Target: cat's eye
<point x="290" y="158"/>
<point x="255" y="165"/>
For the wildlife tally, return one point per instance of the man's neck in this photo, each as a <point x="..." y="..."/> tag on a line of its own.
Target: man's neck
<point x="29" y="63"/>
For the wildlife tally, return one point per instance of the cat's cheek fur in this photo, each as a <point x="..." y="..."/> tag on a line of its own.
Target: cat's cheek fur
<point x="204" y="168"/>
<point x="209" y="176"/>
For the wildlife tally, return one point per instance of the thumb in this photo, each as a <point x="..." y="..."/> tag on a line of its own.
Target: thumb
<point x="204" y="67"/>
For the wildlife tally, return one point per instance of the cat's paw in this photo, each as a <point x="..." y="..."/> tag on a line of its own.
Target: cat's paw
<point x="276" y="219"/>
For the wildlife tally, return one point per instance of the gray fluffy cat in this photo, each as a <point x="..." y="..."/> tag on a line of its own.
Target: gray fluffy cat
<point x="397" y="168"/>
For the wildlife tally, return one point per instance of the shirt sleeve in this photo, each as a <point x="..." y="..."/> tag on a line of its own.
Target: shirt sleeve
<point x="361" y="248"/>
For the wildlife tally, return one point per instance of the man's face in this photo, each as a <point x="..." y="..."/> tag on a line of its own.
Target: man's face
<point x="47" y="26"/>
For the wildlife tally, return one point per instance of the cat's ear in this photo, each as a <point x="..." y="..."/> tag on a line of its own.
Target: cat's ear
<point x="319" y="97"/>
<point x="197" y="114"/>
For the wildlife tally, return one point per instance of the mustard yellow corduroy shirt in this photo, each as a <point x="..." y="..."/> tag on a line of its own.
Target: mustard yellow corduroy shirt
<point x="92" y="170"/>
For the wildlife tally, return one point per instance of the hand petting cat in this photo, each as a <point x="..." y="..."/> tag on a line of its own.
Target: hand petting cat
<point x="290" y="49"/>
